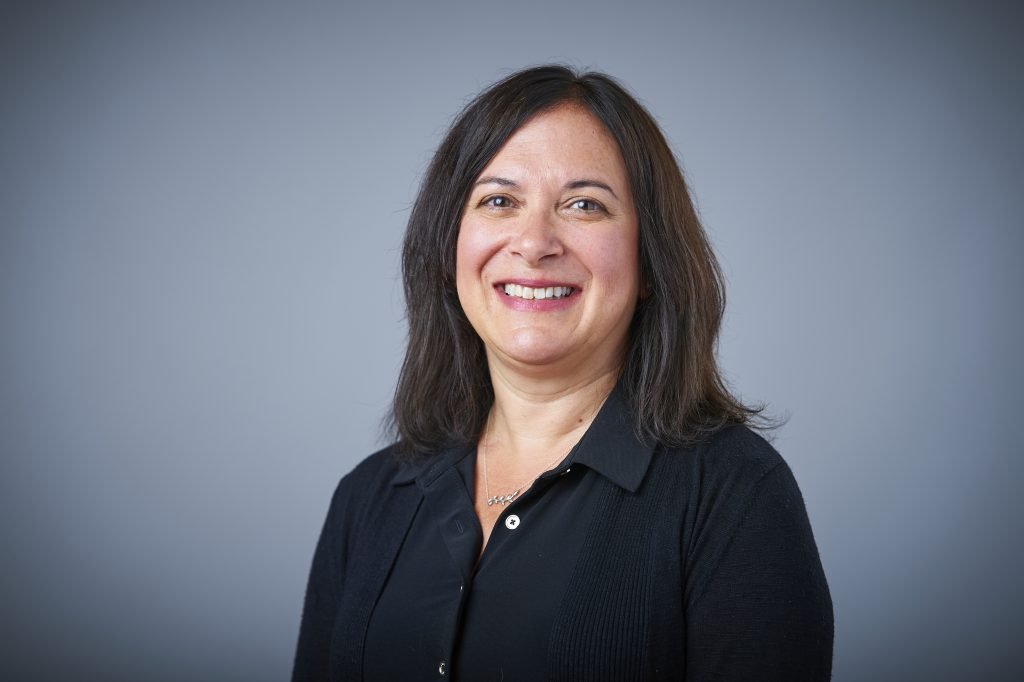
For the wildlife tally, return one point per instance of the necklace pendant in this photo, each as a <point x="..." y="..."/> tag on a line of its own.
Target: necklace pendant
<point x="501" y="499"/>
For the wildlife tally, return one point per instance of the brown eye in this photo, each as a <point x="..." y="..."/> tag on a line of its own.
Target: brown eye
<point x="497" y="201"/>
<point x="586" y="205"/>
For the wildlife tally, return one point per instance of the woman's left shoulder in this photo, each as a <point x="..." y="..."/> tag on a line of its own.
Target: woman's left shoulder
<point x="739" y="445"/>
<point x="734" y="449"/>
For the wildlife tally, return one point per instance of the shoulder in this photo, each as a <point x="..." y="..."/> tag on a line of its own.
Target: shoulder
<point x="736" y="446"/>
<point x="380" y="467"/>
<point x="368" y="495"/>
<point x="371" y="481"/>
<point x="734" y="454"/>
<point x="740" y="500"/>
<point x="730" y="475"/>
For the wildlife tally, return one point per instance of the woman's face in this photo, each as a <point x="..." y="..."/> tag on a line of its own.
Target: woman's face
<point x="547" y="263"/>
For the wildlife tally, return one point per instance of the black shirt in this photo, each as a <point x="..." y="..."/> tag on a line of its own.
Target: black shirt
<point x="491" y="620"/>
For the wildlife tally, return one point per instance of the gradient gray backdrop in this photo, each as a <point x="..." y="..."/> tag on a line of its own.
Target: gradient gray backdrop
<point x="201" y="209"/>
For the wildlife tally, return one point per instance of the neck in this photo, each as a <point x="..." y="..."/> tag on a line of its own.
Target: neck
<point x="535" y="417"/>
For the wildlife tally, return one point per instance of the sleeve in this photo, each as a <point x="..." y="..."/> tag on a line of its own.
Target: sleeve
<point x="312" y="655"/>
<point x="762" y="610"/>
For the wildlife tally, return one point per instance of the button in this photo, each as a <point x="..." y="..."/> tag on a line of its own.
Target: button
<point x="443" y="668"/>
<point x="511" y="521"/>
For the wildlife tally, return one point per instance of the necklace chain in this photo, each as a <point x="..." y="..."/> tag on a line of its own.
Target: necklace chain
<point x="508" y="497"/>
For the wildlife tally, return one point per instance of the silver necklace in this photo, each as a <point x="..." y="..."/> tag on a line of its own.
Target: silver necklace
<point x="508" y="497"/>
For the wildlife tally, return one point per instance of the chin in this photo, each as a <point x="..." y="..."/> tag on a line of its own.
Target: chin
<point x="535" y="359"/>
<point x="531" y="348"/>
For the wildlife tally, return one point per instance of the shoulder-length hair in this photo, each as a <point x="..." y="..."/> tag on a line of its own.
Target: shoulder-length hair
<point x="670" y="375"/>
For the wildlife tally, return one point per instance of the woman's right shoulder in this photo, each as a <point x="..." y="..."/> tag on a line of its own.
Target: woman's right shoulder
<point x="373" y="472"/>
<point x="381" y="464"/>
<point x="377" y="476"/>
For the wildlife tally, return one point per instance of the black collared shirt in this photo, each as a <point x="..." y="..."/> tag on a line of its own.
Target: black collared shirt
<point x="444" y="615"/>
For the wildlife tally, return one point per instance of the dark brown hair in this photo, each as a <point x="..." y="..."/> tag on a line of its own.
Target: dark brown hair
<point x="670" y="374"/>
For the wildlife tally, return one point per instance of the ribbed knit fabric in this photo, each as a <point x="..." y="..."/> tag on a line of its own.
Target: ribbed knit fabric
<point x="617" y="650"/>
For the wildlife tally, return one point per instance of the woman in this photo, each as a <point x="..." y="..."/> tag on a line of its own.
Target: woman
<point x="574" y="494"/>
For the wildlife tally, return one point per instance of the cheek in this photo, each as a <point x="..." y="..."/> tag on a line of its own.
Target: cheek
<point x="473" y="248"/>
<point x="617" y="259"/>
<point x="470" y="258"/>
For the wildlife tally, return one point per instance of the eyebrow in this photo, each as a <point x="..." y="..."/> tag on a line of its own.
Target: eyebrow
<point x="495" y="180"/>
<point x="574" y="184"/>
<point x="579" y="184"/>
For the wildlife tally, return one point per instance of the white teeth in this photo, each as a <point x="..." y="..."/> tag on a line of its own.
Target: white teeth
<point x="540" y="293"/>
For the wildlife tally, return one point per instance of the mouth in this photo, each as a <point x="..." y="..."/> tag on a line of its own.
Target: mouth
<point x="537" y="293"/>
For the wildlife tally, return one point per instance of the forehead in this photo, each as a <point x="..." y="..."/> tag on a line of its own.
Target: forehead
<point x="568" y="138"/>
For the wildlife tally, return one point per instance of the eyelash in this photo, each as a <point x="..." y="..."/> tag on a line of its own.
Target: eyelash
<point x="489" y="203"/>
<point x="597" y="207"/>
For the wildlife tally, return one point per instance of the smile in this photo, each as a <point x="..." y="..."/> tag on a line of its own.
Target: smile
<point x="531" y="293"/>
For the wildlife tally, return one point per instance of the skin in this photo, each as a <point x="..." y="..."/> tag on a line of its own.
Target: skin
<point x="553" y="207"/>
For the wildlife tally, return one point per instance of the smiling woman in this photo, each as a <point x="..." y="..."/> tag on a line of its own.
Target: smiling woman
<point x="573" y="493"/>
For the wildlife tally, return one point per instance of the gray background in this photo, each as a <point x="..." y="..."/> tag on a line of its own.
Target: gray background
<point x="201" y="209"/>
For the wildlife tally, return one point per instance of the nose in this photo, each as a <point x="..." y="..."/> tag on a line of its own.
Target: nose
<point x="536" y="238"/>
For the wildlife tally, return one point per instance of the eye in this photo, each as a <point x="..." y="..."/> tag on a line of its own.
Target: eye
<point x="497" y="201"/>
<point x="586" y="205"/>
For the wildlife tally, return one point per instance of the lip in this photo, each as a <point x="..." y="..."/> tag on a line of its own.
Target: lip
<point x="536" y="305"/>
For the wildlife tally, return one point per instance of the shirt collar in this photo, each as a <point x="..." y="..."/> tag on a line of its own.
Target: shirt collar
<point x="426" y="468"/>
<point x="610" y="447"/>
